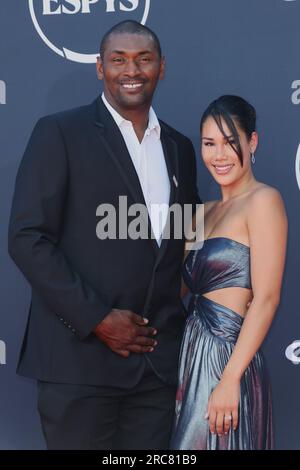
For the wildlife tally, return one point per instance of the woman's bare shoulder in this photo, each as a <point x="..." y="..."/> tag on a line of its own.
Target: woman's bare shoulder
<point x="265" y="203"/>
<point x="265" y="194"/>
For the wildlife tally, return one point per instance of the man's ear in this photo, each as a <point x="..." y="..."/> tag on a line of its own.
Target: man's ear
<point x="99" y="68"/>
<point x="162" y="68"/>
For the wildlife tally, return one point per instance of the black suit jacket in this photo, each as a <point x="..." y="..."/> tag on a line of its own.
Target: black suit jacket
<point x="75" y="161"/>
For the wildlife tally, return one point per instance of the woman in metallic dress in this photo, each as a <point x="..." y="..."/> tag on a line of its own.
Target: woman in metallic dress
<point x="223" y="398"/>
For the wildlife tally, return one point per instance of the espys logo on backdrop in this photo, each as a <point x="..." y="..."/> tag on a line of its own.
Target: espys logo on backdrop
<point x="2" y="352"/>
<point x="50" y="10"/>
<point x="292" y="352"/>
<point x="2" y="92"/>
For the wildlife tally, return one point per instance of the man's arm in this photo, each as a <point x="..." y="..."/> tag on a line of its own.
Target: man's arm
<point x="34" y="232"/>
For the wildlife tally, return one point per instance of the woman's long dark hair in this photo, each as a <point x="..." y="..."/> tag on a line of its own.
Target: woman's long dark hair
<point x="233" y="110"/>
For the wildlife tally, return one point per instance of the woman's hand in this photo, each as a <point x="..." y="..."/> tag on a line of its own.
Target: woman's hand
<point x="222" y="410"/>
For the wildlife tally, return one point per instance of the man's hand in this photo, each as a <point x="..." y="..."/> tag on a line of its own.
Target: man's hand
<point x="124" y="332"/>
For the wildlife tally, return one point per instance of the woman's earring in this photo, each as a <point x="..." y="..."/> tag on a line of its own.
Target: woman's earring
<point x="253" y="158"/>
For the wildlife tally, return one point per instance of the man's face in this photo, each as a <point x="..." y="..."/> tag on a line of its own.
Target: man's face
<point x="130" y="70"/>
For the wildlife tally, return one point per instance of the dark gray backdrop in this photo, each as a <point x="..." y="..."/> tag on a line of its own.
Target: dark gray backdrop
<point x="212" y="47"/>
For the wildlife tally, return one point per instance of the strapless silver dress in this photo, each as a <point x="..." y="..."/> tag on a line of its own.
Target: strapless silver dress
<point x="210" y="335"/>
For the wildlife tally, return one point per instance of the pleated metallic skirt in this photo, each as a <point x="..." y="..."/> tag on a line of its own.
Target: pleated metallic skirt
<point x="210" y="335"/>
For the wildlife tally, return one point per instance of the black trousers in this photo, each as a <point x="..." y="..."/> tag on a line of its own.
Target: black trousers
<point x="104" y="418"/>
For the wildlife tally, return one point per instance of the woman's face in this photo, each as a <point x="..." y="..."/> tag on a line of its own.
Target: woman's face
<point x="218" y="155"/>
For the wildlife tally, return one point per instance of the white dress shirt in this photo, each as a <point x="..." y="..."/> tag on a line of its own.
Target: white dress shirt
<point x="149" y="162"/>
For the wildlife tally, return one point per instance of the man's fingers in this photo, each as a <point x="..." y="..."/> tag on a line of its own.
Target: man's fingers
<point x="146" y="331"/>
<point x="138" y="319"/>
<point x="136" y="348"/>
<point x="144" y="341"/>
<point x="136" y="323"/>
<point x="142" y="322"/>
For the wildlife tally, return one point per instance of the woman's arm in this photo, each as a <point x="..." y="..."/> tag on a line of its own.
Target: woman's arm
<point x="267" y="225"/>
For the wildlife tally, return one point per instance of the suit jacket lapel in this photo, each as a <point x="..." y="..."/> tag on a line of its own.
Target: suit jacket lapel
<point x="113" y="142"/>
<point x="171" y="157"/>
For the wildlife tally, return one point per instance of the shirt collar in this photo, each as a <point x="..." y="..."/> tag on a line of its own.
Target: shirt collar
<point x="153" y="123"/>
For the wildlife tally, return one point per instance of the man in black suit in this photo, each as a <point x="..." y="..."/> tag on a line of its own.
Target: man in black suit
<point x="106" y="319"/>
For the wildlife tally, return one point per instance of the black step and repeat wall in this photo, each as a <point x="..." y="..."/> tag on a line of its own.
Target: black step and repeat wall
<point x="245" y="47"/>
